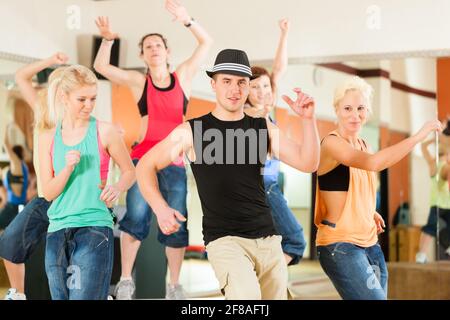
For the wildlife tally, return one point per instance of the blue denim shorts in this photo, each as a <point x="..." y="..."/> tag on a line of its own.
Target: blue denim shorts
<point x="293" y="241"/>
<point x="136" y="222"/>
<point x="24" y="233"/>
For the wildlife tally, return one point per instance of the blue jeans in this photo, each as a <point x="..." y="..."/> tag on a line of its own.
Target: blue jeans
<point x="431" y="227"/>
<point x="7" y="214"/>
<point x="24" y="233"/>
<point x="357" y="273"/>
<point x="136" y="222"/>
<point x="79" y="263"/>
<point x="293" y="241"/>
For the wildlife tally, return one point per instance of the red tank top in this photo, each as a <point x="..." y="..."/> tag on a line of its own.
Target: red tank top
<point x="165" y="112"/>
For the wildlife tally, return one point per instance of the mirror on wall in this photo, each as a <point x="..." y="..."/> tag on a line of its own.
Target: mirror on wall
<point x="16" y="123"/>
<point x="16" y="117"/>
<point x="404" y="98"/>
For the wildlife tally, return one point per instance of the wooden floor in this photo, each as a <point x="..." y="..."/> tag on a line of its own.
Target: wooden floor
<point x="307" y="281"/>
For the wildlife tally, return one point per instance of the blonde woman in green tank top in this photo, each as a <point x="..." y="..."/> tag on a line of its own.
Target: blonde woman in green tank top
<point x="72" y="157"/>
<point x="25" y="232"/>
<point x="439" y="197"/>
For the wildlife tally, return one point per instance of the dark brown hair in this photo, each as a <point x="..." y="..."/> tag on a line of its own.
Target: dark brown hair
<point x="141" y="43"/>
<point x="18" y="150"/>
<point x="259" y="72"/>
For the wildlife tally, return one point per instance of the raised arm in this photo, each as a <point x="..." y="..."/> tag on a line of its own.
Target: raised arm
<point x="343" y="152"/>
<point x="3" y="196"/>
<point x="187" y="70"/>
<point x="445" y="170"/>
<point x="53" y="185"/>
<point x="25" y="75"/>
<point x="281" y="57"/>
<point x="116" y="148"/>
<point x="431" y="161"/>
<point x="303" y="156"/>
<point x="179" y="141"/>
<point x="15" y="162"/>
<point x="131" y="78"/>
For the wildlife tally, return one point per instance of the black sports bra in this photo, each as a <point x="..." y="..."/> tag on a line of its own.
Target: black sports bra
<point x="337" y="179"/>
<point x="15" y="179"/>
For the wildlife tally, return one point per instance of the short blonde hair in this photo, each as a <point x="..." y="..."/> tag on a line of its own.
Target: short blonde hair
<point x="354" y="84"/>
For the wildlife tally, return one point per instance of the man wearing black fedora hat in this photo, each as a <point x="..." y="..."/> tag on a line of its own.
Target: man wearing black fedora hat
<point x="227" y="150"/>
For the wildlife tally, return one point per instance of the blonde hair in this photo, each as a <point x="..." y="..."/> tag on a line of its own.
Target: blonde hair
<point x="64" y="81"/>
<point x="41" y="119"/>
<point x="354" y="84"/>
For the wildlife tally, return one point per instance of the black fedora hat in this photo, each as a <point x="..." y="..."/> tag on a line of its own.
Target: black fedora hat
<point x="231" y="61"/>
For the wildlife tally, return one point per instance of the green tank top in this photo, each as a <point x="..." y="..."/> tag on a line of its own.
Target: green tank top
<point x="439" y="195"/>
<point x="79" y="204"/>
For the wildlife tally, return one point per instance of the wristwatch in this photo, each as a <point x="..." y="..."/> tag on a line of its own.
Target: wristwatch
<point x="187" y="25"/>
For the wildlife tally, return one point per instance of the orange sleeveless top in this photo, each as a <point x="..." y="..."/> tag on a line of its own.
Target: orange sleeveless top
<point x="356" y="223"/>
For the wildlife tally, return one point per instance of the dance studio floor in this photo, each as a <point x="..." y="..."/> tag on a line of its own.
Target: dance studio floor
<point x="306" y="281"/>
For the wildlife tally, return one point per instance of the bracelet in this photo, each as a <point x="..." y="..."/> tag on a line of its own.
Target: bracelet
<point x="187" y="25"/>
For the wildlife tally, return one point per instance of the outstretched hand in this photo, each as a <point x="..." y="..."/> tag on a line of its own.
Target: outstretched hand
<point x="379" y="221"/>
<point x="178" y="11"/>
<point x="284" y="25"/>
<point x="59" y="58"/>
<point x="428" y="127"/>
<point x="303" y="106"/>
<point x="168" y="220"/>
<point x="105" y="28"/>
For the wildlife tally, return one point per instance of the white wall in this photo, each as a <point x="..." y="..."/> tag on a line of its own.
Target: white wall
<point x="319" y="28"/>
<point x="103" y="110"/>
<point x="3" y="119"/>
<point x="38" y="28"/>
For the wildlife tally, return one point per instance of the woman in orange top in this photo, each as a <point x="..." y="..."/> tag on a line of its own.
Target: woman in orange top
<point x="347" y="242"/>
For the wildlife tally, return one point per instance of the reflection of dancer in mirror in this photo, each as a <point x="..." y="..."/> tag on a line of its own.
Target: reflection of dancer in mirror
<point x="242" y="244"/>
<point x="347" y="242"/>
<point x="3" y="195"/>
<point x="74" y="159"/>
<point x="162" y="98"/>
<point x="261" y="101"/>
<point x="439" y="196"/>
<point x="24" y="233"/>
<point x="15" y="180"/>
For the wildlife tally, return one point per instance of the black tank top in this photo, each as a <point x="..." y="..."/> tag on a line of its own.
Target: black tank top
<point x="228" y="169"/>
<point x="142" y="103"/>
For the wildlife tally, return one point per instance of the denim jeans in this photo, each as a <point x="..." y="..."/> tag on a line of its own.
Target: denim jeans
<point x="7" y="214"/>
<point x="293" y="241"/>
<point x="79" y="263"/>
<point x="357" y="273"/>
<point x="24" y="233"/>
<point x="136" y="222"/>
<point x="431" y="227"/>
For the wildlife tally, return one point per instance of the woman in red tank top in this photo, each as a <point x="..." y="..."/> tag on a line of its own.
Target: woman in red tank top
<point x="162" y="99"/>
